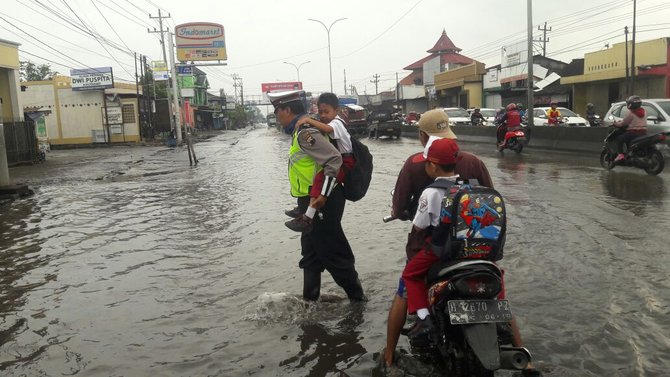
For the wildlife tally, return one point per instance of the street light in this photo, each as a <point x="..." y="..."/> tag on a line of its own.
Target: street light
<point x="297" y="67"/>
<point x="330" y="66"/>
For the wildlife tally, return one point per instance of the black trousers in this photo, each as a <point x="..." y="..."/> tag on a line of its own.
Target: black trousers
<point x="327" y="248"/>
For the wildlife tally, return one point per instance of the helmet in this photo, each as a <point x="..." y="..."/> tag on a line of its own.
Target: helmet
<point x="589" y="105"/>
<point x="633" y="102"/>
<point x="477" y="109"/>
<point x="511" y="107"/>
<point x="519" y="106"/>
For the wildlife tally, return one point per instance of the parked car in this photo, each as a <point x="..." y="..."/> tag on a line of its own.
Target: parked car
<point x="356" y="119"/>
<point x="568" y="117"/>
<point x="383" y="123"/>
<point x="488" y="113"/>
<point x="458" y="116"/>
<point x="658" y="114"/>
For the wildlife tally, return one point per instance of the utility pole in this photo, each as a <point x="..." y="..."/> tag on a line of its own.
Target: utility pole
<point x="625" y="31"/>
<point x="345" y="82"/>
<point x="530" y="100"/>
<point x="241" y="92"/>
<point x="235" y="85"/>
<point x="352" y="89"/>
<point x="632" y="57"/>
<point x="376" y="82"/>
<point x="175" y="90"/>
<point x="165" y="60"/>
<point x="544" y="39"/>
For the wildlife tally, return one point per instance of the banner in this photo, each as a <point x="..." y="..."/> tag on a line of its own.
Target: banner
<point x="280" y="86"/>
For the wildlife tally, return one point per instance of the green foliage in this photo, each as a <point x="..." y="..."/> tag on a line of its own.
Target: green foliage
<point x="30" y="71"/>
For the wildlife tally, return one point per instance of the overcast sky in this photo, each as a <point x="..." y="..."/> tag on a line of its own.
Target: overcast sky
<point x="378" y="36"/>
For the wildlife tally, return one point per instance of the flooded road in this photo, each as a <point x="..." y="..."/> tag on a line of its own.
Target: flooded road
<point x="128" y="262"/>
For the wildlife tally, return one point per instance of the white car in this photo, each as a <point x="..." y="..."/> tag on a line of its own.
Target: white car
<point x="458" y="116"/>
<point x="569" y="119"/>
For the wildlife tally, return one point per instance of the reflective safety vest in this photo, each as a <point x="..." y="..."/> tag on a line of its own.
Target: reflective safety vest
<point x="301" y="169"/>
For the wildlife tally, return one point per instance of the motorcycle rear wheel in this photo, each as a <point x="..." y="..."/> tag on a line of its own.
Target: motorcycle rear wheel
<point x="518" y="148"/>
<point x="657" y="163"/>
<point x="607" y="160"/>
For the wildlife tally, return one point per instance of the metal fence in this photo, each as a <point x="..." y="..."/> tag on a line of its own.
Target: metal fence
<point x="20" y="142"/>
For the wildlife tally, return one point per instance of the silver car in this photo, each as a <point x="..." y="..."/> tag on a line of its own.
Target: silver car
<point x="658" y="114"/>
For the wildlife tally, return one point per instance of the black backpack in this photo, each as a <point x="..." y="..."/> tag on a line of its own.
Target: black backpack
<point x="357" y="180"/>
<point x="473" y="222"/>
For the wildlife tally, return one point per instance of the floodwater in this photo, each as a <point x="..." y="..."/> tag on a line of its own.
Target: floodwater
<point x="129" y="262"/>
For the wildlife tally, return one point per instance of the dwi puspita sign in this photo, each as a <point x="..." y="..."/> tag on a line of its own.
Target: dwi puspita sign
<point x="198" y="41"/>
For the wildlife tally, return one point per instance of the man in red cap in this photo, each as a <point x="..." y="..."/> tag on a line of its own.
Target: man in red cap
<point x="440" y="164"/>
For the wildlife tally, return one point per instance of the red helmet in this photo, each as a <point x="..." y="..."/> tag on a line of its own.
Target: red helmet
<point x="510" y="107"/>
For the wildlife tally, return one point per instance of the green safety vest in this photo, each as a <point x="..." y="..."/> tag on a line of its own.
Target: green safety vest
<point x="301" y="169"/>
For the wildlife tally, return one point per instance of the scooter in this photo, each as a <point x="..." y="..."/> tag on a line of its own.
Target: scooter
<point x="642" y="152"/>
<point x="514" y="140"/>
<point x="472" y="335"/>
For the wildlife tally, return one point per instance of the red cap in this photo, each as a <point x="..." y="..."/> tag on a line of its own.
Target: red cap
<point x="443" y="152"/>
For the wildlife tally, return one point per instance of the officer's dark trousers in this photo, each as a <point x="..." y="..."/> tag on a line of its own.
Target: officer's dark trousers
<point x="327" y="248"/>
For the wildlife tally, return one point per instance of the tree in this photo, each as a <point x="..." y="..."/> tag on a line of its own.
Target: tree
<point x="30" y="71"/>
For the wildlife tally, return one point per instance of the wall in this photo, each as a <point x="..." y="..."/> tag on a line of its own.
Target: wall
<point x="475" y="94"/>
<point x="5" y="93"/>
<point x="80" y="113"/>
<point x="41" y="95"/>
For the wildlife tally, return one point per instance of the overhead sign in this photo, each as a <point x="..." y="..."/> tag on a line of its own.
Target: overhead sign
<point x="280" y="86"/>
<point x="160" y="69"/>
<point x="92" y="78"/>
<point x="198" y="41"/>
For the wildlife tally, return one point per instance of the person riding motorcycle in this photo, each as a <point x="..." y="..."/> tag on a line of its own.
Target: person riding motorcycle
<point x="477" y="118"/>
<point x="553" y="114"/>
<point x="634" y="123"/>
<point x="590" y="114"/>
<point x="510" y="121"/>
<point x="521" y="110"/>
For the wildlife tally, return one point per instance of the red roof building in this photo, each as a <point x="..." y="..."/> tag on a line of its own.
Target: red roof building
<point x="449" y="56"/>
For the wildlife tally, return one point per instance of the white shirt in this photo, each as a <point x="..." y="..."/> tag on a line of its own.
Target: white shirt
<point x="430" y="205"/>
<point x="430" y="141"/>
<point x="341" y="135"/>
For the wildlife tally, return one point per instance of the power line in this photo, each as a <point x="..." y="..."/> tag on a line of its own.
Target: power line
<point x="110" y="25"/>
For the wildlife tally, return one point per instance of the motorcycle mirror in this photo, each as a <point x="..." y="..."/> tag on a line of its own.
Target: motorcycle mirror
<point x="611" y="117"/>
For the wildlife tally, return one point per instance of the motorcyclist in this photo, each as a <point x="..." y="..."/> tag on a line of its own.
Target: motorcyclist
<point x="521" y="110"/>
<point x="590" y="114"/>
<point x="634" y="123"/>
<point x="553" y="114"/>
<point x="511" y="121"/>
<point x="477" y="118"/>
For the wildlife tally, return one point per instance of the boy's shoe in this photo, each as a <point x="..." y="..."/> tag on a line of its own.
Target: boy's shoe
<point x="300" y="224"/>
<point x="420" y="334"/>
<point x="619" y="157"/>
<point x="295" y="212"/>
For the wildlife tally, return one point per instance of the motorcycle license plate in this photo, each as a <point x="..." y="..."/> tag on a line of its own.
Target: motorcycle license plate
<point x="463" y="312"/>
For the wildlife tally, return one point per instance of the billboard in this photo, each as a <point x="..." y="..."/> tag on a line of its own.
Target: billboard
<point x="92" y="78"/>
<point x="198" y="41"/>
<point x="280" y="86"/>
<point x="160" y="69"/>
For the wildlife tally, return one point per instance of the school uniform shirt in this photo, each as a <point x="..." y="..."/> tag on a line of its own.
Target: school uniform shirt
<point x="341" y="135"/>
<point x="315" y="145"/>
<point x="430" y="205"/>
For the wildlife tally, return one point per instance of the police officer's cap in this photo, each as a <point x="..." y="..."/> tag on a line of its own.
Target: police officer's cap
<point x="281" y="98"/>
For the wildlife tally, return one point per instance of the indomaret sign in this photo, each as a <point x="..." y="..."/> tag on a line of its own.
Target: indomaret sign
<point x="92" y="78"/>
<point x="199" y="41"/>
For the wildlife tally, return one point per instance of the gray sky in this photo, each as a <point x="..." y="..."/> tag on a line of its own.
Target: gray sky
<point x="378" y="37"/>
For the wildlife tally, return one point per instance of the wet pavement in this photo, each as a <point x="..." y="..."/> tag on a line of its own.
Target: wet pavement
<point x="129" y="262"/>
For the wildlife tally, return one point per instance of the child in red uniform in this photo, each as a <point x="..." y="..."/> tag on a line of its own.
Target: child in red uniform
<point x="440" y="164"/>
<point x="332" y="125"/>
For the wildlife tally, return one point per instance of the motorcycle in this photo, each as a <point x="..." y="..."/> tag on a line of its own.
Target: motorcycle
<point x="642" y="152"/>
<point x="514" y="140"/>
<point x="594" y="121"/>
<point x="472" y="336"/>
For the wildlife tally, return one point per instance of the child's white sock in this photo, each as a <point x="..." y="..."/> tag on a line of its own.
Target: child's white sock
<point x="422" y="313"/>
<point x="311" y="211"/>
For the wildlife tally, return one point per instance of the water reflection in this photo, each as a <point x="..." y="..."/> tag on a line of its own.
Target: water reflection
<point x="633" y="187"/>
<point x="324" y="349"/>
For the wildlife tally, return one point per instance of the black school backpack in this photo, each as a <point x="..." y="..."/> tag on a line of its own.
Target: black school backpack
<point x="357" y="180"/>
<point x="473" y="222"/>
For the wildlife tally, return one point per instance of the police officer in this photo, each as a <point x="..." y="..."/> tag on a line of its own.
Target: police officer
<point x="325" y="247"/>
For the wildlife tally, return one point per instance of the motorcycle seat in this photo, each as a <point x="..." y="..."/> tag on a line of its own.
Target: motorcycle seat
<point x="642" y="139"/>
<point x="441" y="268"/>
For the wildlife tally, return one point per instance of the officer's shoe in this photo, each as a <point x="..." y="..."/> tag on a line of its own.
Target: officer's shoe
<point x="421" y="333"/>
<point x="295" y="212"/>
<point x="300" y="224"/>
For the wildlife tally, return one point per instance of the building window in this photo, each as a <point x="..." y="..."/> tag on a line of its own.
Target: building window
<point x="128" y="113"/>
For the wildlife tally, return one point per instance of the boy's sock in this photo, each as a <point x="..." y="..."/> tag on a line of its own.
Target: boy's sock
<point x="422" y="313"/>
<point x="311" y="211"/>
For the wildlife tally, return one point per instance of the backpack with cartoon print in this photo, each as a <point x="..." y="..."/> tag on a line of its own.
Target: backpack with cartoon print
<point x="473" y="222"/>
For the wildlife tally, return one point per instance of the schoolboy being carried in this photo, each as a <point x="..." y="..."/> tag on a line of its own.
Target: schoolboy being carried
<point x="331" y="124"/>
